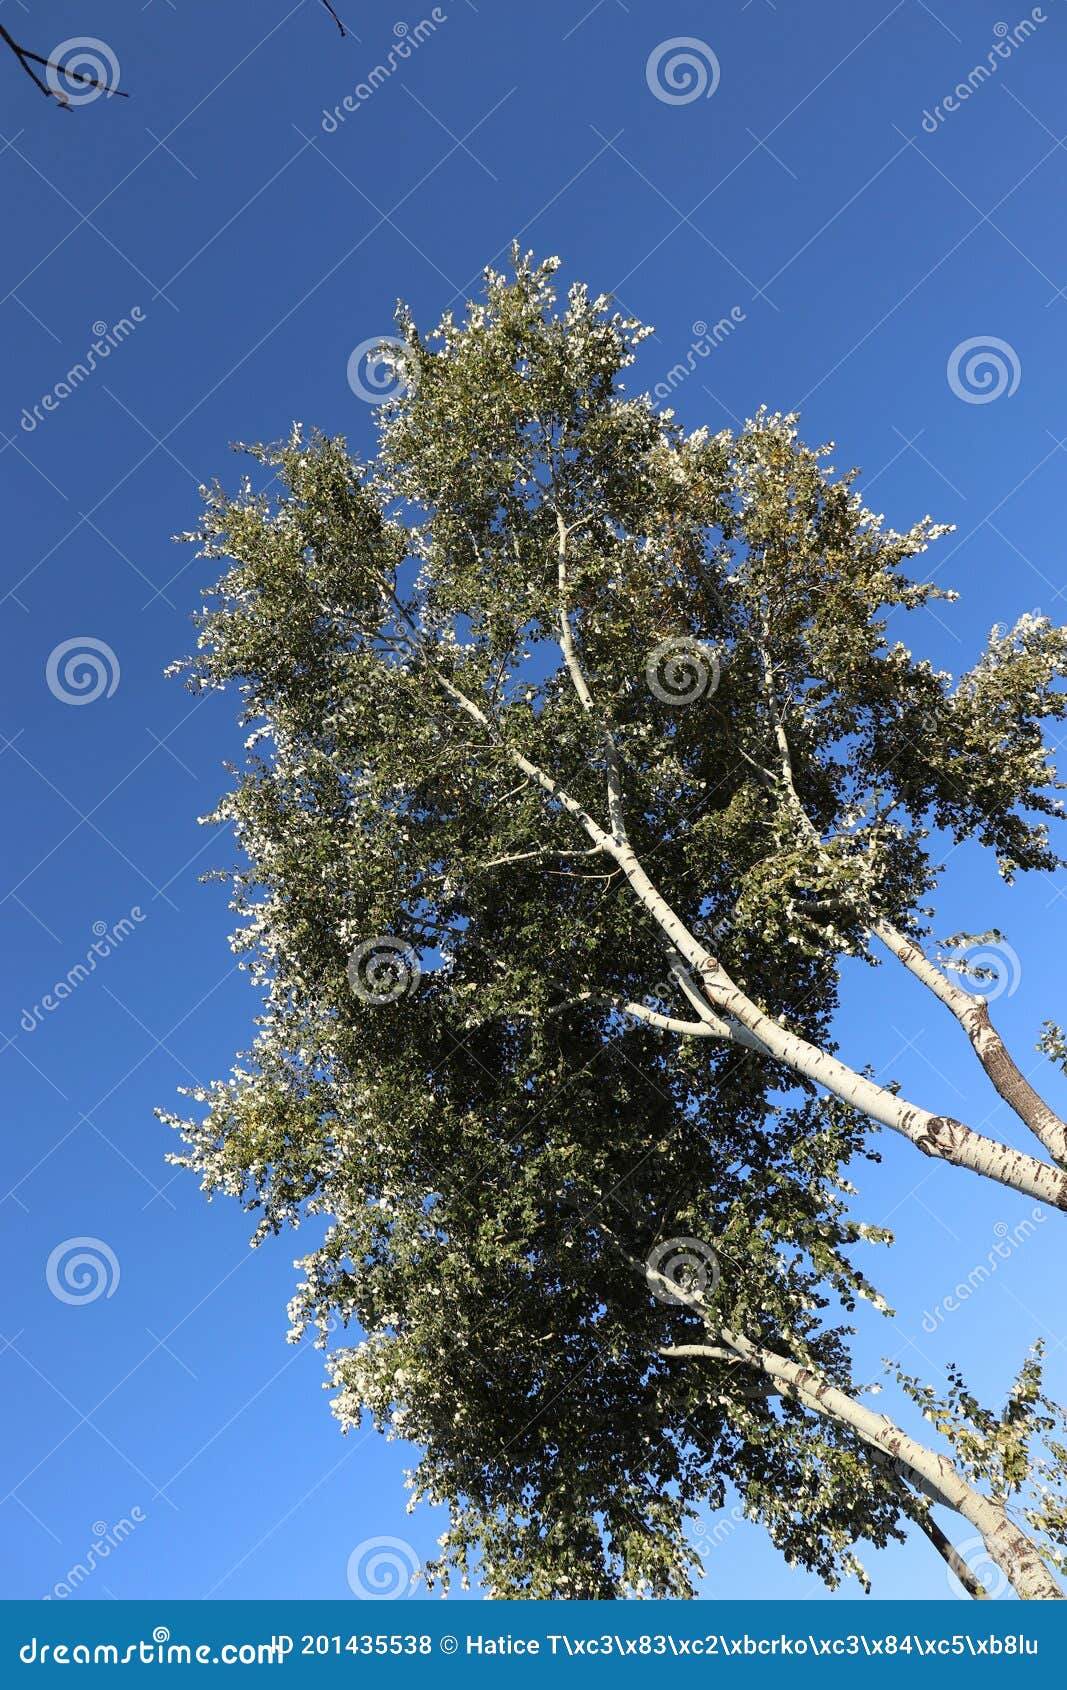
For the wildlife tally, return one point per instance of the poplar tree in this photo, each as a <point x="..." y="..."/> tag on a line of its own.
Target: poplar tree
<point x="580" y="758"/>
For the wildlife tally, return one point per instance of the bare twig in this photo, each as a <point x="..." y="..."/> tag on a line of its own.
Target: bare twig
<point x="334" y="16"/>
<point x="27" y="60"/>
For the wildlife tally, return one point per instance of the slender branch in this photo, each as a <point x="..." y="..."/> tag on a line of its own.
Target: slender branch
<point x="334" y="16"/>
<point x="972" y="1013"/>
<point x="950" y="1555"/>
<point x="581" y="687"/>
<point x="28" y="59"/>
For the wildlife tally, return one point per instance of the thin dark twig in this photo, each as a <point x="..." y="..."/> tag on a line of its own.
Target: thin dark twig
<point x="24" y="56"/>
<point x="334" y="16"/>
<point x="28" y="59"/>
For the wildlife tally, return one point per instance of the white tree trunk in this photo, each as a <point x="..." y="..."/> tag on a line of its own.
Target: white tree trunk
<point x="935" y="1135"/>
<point x="1009" y="1547"/>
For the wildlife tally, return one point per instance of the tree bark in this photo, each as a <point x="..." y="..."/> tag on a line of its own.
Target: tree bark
<point x="1009" y="1547"/>
<point x="972" y="1013"/>
<point x="935" y="1135"/>
<point x="952" y="1558"/>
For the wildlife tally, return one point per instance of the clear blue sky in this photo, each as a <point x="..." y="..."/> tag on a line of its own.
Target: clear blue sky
<point x="260" y="249"/>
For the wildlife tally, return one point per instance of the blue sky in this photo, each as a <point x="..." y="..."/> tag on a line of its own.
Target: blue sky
<point x="859" y="252"/>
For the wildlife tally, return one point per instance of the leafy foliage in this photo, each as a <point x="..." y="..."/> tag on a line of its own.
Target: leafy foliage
<point x="449" y="1066"/>
<point x="1018" y="1455"/>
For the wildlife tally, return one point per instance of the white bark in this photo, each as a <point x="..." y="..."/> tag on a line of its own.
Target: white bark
<point x="1008" y="1545"/>
<point x="972" y="1013"/>
<point x="935" y="1135"/>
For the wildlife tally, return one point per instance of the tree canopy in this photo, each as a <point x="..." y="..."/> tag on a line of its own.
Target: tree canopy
<point x="579" y="757"/>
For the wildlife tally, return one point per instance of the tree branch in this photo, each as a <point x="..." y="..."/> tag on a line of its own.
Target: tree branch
<point x="27" y="60"/>
<point x="334" y="16"/>
<point x="972" y="1013"/>
<point x="935" y="1135"/>
<point x="581" y="687"/>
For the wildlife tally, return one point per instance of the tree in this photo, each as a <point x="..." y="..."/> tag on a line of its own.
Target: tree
<point x="587" y="760"/>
